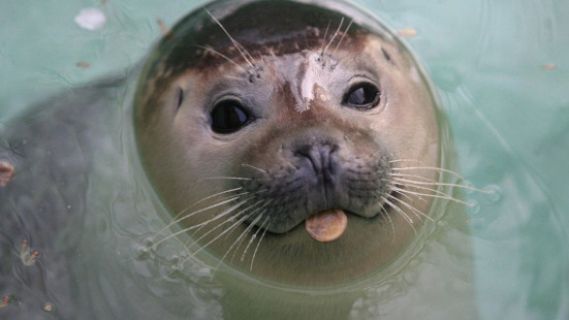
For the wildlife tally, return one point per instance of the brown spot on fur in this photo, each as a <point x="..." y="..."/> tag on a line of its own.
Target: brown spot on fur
<point x="6" y="173"/>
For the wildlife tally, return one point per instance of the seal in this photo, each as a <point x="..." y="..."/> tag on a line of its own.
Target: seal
<point x="295" y="141"/>
<point x="297" y="145"/>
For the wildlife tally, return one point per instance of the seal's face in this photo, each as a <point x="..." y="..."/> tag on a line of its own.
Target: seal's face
<point x="283" y="150"/>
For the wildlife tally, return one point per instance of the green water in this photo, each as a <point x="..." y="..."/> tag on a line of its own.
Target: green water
<point x="509" y="115"/>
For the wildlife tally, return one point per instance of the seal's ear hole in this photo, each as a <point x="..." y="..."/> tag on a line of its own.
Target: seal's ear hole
<point x="229" y="116"/>
<point x="362" y="96"/>
<point x="180" y="100"/>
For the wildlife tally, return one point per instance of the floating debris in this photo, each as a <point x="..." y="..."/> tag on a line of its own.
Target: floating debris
<point x="164" y="29"/>
<point x="28" y="256"/>
<point x="6" y="173"/>
<point x="83" y="65"/>
<point x="5" y="301"/>
<point x="550" y="66"/>
<point x="407" y="32"/>
<point x="91" y="19"/>
<point x="48" y="307"/>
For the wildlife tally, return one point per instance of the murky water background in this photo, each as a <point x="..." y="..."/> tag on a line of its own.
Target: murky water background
<point x="501" y="72"/>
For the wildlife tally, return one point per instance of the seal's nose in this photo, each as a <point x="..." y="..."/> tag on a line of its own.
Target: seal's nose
<point x="321" y="156"/>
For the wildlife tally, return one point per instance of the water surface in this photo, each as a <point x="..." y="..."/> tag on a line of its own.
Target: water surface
<point x="501" y="72"/>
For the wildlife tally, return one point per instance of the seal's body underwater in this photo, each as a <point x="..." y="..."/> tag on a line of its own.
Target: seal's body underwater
<point x="295" y="141"/>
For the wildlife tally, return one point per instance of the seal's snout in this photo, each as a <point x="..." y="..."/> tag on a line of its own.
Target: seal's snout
<point x="321" y="157"/>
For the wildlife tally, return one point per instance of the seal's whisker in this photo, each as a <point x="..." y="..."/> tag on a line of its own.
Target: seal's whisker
<point x="433" y="190"/>
<point x="201" y="225"/>
<point x="224" y="232"/>
<point x="230" y="219"/>
<point x="250" y="226"/>
<point x="325" y="36"/>
<point x="437" y="169"/>
<point x="169" y="225"/>
<point x="344" y="35"/>
<point x="226" y="178"/>
<point x="253" y="167"/>
<point x="442" y="184"/>
<point x="220" y="194"/>
<point x="183" y="214"/>
<point x="398" y="190"/>
<point x="240" y="237"/>
<point x="407" y="175"/>
<point x="184" y="230"/>
<point x="418" y="213"/>
<point x="212" y="50"/>
<point x="403" y="213"/>
<point x="257" y="248"/>
<point x="406" y="196"/>
<point x="333" y="38"/>
<point x="403" y="160"/>
<point x="235" y="43"/>
<point x="254" y="235"/>
<point x="386" y="214"/>
<point x="183" y="211"/>
<point x="252" y="196"/>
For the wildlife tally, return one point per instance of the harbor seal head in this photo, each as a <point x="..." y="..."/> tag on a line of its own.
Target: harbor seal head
<point x="295" y="141"/>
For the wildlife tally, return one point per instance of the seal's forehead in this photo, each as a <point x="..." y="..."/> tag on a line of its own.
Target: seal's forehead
<point x="282" y="26"/>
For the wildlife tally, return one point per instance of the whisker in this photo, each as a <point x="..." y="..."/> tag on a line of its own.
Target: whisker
<point x="435" y="191"/>
<point x="212" y="50"/>
<point x="252" y="224"/>
<point x="221" y="193"/>
<point x="386" y="214"/>
<point x="430" y="168"/>
<point x="183" y="211"/>
<point x="454" y="185"/>
<point x="406" y="175"/>
<point x="254" y="236"/>
<point x="230" y="228"/>
<point x="433" y="196"/>
<point x="230" y="219"/>
<point x="226" y="178"/>
<point x="406" y="196"/>
<point x="344" y="35"/>
<point x="257" y="248"/>
<point x="246" y="231"/>
<point x="333" y="37"/>
<point x="252" y="196"/>
<point x="235" y="43"/>
<point x="325" y="36"/>
<point x="403" y="214"/>
<point x="193" y="214"/>
<point x="184" y="230"/>
<point x="253" y="167"/>
<point x="404" y="160"/>
<point x="417" y="212"/>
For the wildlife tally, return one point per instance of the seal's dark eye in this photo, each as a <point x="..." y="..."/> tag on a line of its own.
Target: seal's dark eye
<point x="229" y="116"/>
<point x="362" y="96"/>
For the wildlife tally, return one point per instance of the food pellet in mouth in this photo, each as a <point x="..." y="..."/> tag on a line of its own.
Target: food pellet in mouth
<point x="327" y="226"/>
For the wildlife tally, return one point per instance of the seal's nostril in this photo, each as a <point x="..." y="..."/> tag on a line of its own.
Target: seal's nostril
<point x="321" y="157"/>
<point x="306" y="151"/>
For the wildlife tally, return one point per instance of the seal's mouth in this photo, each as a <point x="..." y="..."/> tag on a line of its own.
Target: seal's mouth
<point x="329" y="225"/>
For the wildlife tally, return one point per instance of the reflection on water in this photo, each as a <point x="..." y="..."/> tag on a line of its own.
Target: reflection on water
<point x="500" y="71"/>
